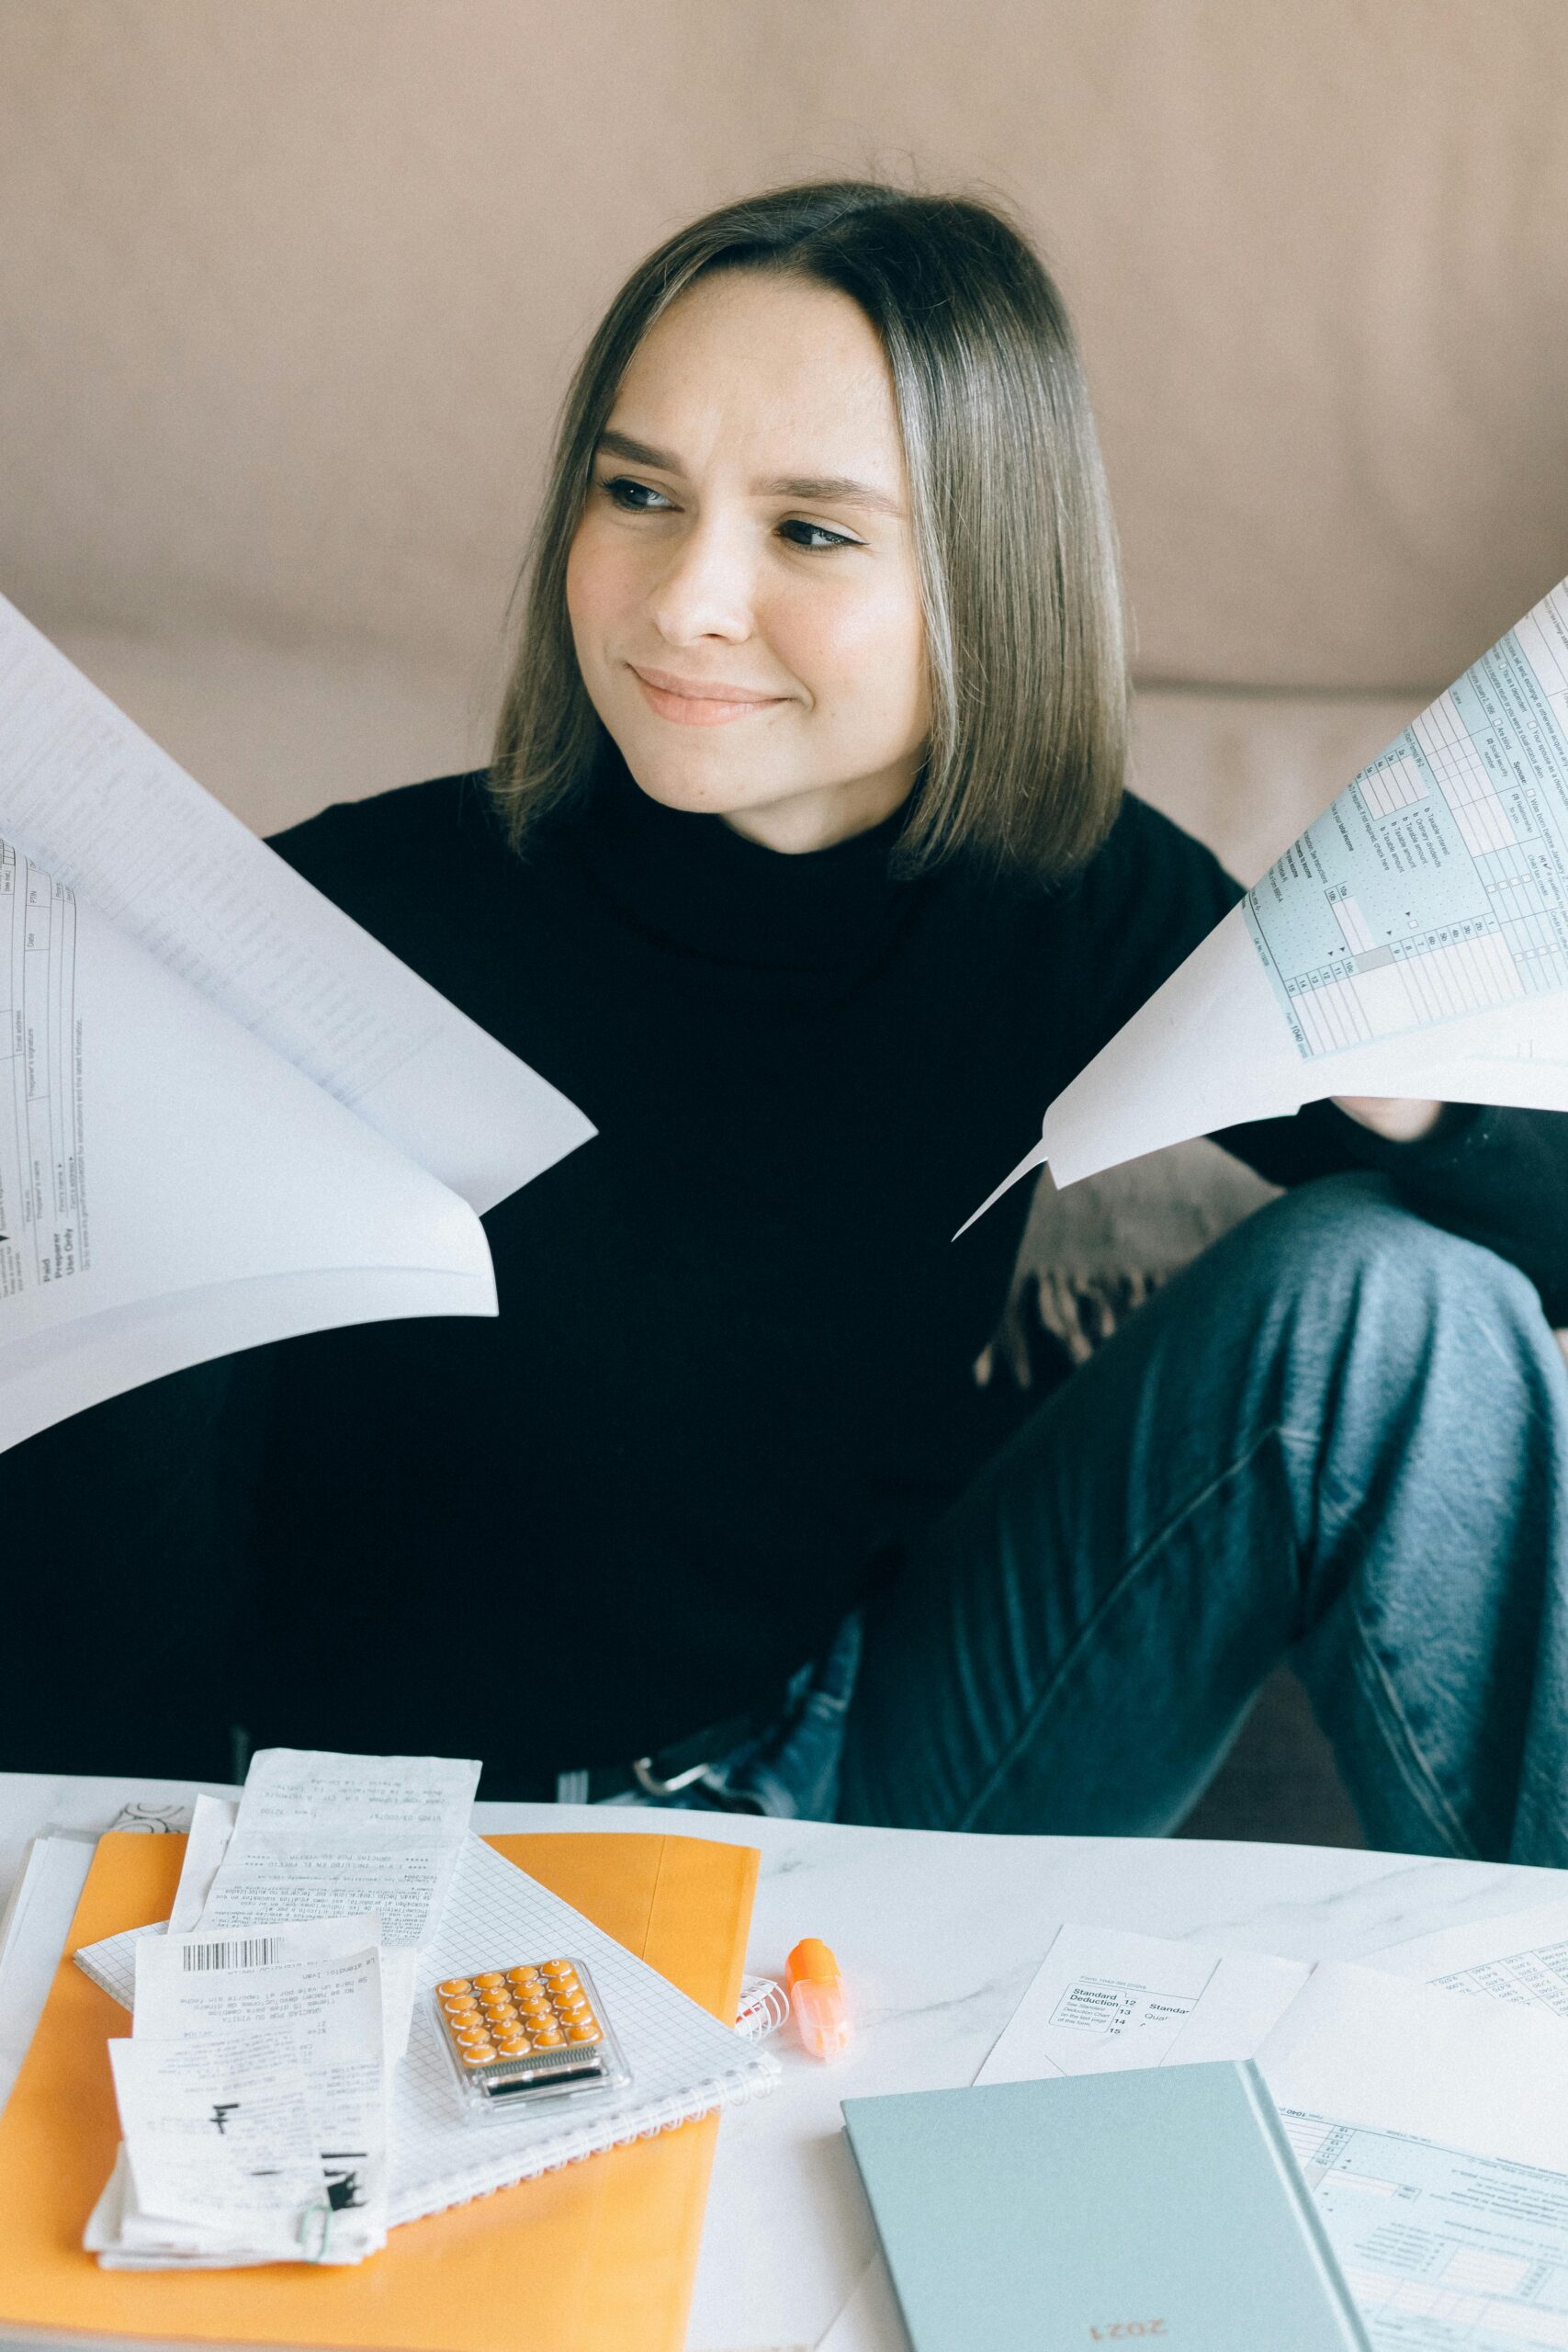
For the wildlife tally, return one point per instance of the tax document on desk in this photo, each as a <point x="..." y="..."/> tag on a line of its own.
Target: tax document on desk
<point x="1522" y="1957"/>
<point x="1413" y="942"/>
<point x="1104" y="2000"/>
<point x="1433" y="2134"/>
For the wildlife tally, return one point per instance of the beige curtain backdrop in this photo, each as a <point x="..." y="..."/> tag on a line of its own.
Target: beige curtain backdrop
<point x="289" y="290"/>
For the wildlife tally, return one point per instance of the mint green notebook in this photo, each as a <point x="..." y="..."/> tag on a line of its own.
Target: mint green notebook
<point x="1154" y="2207"/>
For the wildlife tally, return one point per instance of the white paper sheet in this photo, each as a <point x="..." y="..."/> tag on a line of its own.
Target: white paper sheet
<point x="112" y="816"/>
<point x="157" y="1160"/>
<point x="1413" y="942"/>
<point x="1103" y="2001"/>
<point x="1522" y="1958"/>
<point x="206" y="1842"/>
<point x="1433" y="2131"/>
<point x="41" y="1906"/>
<point x="322" y="1976"/>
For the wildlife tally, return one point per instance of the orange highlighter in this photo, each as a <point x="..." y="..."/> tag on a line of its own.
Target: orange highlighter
<point x="817" y="2000"/>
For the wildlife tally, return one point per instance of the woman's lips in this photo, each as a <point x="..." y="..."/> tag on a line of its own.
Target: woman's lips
<point x="688" y="710"/>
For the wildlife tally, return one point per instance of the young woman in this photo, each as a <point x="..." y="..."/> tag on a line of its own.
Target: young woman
<point x="804" y="865"/>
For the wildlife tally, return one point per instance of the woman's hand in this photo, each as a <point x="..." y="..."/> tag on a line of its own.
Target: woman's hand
<point x="1391" y="1116"/>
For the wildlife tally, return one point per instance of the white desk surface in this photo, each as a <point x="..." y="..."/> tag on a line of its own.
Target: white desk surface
<point x="938" y="1936"/>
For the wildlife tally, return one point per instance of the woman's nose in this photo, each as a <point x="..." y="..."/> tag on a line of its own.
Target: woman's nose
<point x="704" y="586"/>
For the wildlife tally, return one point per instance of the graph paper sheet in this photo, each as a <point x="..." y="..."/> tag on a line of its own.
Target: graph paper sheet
<point x="683" y="2062"/>
<point x="1413" y="942"/>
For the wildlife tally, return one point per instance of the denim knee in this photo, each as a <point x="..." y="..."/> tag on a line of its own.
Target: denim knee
<point x="1349" y="1242"/>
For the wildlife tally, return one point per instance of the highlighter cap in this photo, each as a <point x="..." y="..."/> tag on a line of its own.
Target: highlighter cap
<point x="812" y="1961"/>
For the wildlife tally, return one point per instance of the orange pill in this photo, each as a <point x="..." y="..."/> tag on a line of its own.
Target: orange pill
<point x="453" y="1986"/>
<point x="512" y="2045"/>
<point x="549" y="2037"/>
<point x="555" y="1968"/>
<point x="466" y="2007"/>
<point x="588" y="2033"/>
<point x="479" y="2057"/>
<point x="527" y="1974"/>
<point x="489" y="1979"/>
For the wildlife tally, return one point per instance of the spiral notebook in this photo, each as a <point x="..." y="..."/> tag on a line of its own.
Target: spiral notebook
<point x="683" y="2062"/>
<point x="608" y="2249"/>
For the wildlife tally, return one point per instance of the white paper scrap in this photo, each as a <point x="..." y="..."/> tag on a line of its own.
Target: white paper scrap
<point x="207" y="1841"/>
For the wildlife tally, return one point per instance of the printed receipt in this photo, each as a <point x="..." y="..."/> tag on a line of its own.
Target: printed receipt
<point x="221" y="2161"/>
<point x="43" y="1220"/>
<point x="318" y="1987"/>
<point x="322" y="1836"/>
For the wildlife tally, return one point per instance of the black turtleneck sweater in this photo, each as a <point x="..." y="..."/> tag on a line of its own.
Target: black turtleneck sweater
<point x="732" y="1366"/>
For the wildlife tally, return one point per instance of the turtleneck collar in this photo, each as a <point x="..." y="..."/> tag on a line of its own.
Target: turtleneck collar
<point x="694" y="882"/>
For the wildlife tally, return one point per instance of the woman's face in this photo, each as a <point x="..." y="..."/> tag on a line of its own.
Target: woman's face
<point x="741" y="586"/>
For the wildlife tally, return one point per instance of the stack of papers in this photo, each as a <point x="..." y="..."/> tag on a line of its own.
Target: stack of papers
<point x="254" y="2092"/>
<point x="273" y="2015"/>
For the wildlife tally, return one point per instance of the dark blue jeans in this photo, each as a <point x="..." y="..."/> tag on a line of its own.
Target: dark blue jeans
<point x="1340" y="1436"/>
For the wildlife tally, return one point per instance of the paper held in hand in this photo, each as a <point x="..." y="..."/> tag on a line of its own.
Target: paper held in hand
<point x="1413" y="942"/>
<point x="227" y="1113"/>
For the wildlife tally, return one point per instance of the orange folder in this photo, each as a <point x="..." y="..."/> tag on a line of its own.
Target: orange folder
<point x="597" y="2257"/>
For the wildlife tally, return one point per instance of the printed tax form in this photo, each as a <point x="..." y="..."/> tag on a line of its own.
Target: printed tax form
<point x="1413" y="942"/>
<point x="227" y="1113"/>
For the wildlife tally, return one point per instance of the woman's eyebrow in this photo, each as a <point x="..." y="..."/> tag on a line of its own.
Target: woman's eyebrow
<point x="836" y="489"/>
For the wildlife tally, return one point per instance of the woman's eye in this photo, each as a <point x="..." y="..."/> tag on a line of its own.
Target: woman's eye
<point x="820" y="537"/>
<point x="628" y="494"/>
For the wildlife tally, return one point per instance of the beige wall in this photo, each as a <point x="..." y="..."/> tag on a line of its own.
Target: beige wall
<point x="290" y="289"/>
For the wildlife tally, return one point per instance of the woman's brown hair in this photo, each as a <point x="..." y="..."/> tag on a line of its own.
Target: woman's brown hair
<point x="1014" y="542"/>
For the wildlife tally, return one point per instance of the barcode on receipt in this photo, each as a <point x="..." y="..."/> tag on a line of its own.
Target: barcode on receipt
<point x="245" y="1952"/>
